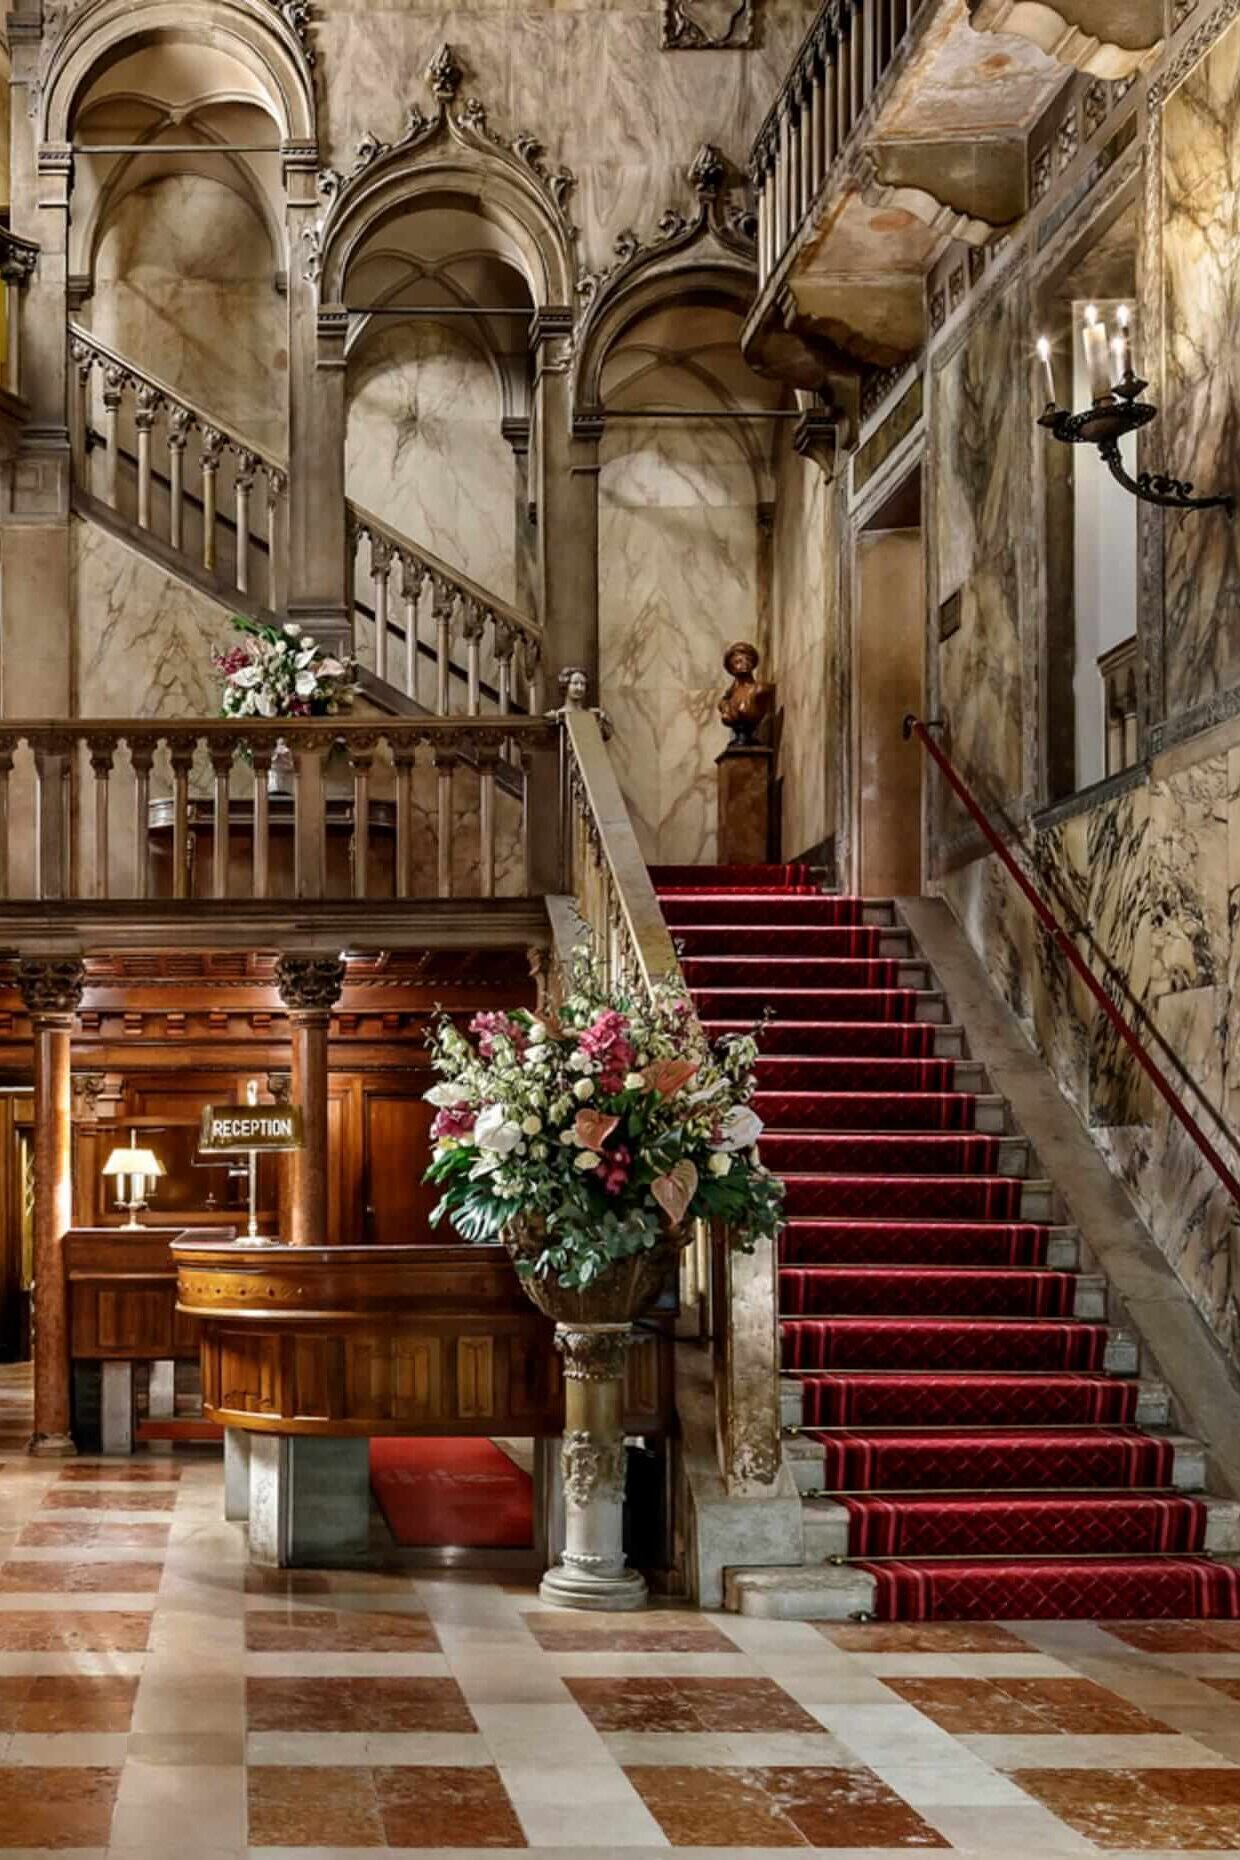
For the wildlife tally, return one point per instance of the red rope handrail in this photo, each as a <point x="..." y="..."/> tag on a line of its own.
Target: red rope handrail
<point x="913" y="726"/>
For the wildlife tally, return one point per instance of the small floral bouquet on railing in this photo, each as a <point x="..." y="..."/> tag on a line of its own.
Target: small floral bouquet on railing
<point x="605" y="1129"/>
<point x="283" y="672"/>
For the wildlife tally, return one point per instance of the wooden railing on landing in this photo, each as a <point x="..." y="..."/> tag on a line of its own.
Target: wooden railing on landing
<point x="316" y="809"/>
<point x="810" y="127"/>
<point x="731" y="1295"/>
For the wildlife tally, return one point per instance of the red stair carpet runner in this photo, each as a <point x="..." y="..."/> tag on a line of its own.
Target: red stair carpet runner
<point x="988" y="1463"/>
<point x="460" y="1493"/>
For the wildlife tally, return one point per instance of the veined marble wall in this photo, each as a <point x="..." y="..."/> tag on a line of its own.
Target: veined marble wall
<point x="1201" y="239"/>
<point x="678" y="583"/>
<point x="185" y="287"/>
<point x="425" y="451"/>
<point x="804" y="647"/>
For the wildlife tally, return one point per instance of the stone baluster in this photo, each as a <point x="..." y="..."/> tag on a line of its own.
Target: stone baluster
<point x="826" y="112"/>
<point x="380" y="583"/>
<point x="361" y="760"/>
<point x="51" y="990"/>
<point x="243" y="485"/>
<point x="472" y="626"/>
<point x="115" y="380"/>
<point x="309" y="987"/>
<point x="260" y="761"/>
<point x="531" y="661"/>
<point x="142" y="760"/>
<point x="310" y="831"/>
<point x="783" y="165"/>
<point x="445" y="763"/>
<point x="808" y="180"/>
<point x="7" y="745"/>
<point x="53" y="756"/>
<point x="796" y="201"/>
<point x="404" y="755"/>
<point x="221" y="770"/>
<point x="277" y="485"/>
<point x="181" y="755"/>
<point x="148" y="401"/>
<point x="505" y="646"/>
<point x="213" y="443"/>
<point x="83" y="358"/>
<point x="180" y="420"/>
<point x="757" y="175"/>
<point x="856" y="59"/>
<point x="488" y="758"/>
<point x="445" y="603"/>
<point x="411" y="579"/>
<point x="101" y="751"/>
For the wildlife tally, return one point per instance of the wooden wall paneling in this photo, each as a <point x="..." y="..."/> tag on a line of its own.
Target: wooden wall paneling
<point x="396" y="1150"/>
<point x="10" y="1235"/>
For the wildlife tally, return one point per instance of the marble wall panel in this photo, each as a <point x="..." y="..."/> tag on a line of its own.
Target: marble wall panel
<point x="803" y="649"/>
<point x="678" y="582"/>
<point x="1201" y="418"/>
<point x="425" y="451"/>
<point x="186" y="287"/>
<point x="981" y="502"/>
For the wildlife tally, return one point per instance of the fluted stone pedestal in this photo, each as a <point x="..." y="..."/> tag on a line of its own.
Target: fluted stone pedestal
<point x="592" y="1572"/>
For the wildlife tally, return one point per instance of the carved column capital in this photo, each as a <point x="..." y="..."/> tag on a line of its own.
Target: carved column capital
<point x="594" y="1354"/>
<point x="309" y="984"/>
<point x="51" y="986"/>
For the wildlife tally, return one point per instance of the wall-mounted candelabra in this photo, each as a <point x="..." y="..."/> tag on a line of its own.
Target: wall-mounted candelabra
<point x="1117" y="410"/>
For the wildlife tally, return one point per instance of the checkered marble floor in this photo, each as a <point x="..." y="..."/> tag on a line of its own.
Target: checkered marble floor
<point x="159" y="1699"/>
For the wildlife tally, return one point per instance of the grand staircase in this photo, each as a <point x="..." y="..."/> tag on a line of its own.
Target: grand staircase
<point x="971" y="1437"/>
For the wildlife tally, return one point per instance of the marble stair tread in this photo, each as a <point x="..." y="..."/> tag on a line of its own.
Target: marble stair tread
<point x="827" y="1524"/>
<point x="1153" y="1406"/>
<point x="808" y="1593"/>
<point x="805" y="1457"/>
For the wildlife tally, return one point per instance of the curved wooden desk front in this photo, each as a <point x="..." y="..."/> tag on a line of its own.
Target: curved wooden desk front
<point x="362" y="1340"/>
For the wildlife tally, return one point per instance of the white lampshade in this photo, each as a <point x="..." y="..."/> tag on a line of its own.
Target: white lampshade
<point x="133" y="1162"/>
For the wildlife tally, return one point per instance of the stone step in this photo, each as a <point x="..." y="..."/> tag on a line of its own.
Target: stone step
<point x="811" y="1593"/>
<point x="1063" y="1250"/>
<point x="1037" y="1202"/>
<point x="970" y="1075"/>
<point x="990" y="1114"/>
<point x="1153" y="1409"/>
<point x="931" y="1005"/>
<point x="914" y="974"/>
<point x="948" y="1041"/>
<point x="1123" y="1354"/>
<point x="879" y="911"/>
<point x="897" y="943"/>
<point x="804" y="1459"/>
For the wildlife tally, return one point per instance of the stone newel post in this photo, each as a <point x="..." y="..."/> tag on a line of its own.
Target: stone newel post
<point x="592" y="1572"/>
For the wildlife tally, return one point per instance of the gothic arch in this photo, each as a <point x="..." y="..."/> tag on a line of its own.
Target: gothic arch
<point x="453" y="155"/>
<point x="267" y="40"/>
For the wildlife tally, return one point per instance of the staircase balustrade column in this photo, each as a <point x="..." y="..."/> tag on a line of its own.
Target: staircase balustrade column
<point x="101" y="752"/>
<point x="796" y="200"/>
<point x="243" y="485"/>
<point x="762" y="201"/>
<point x="827" y="106"/>
<point x="505" y="647"/>
<point x="83" y="359"/>
<point x="115" y="380"/>
<point x="213" y="443"/>
<point x="309" y="987"/>
<point x="7" y="745"/>
<point x="51" y="990"/>
<point x="781" y="167"/>
<point x="221" y="770"/>
<point x="181" y="754"/>
<point x="180" y="419"/>
<point x="817" y="166"/>
<point x="445" y="763"/>
<point x="405" y="758"/>
<point x="142" y="759"/>
<point x="310" y="831"/>
<point x="260" y="761"/>
<point x="445" y="602"/>
<point x="488" y="757"/>
<point x="411" y="580"/>
<point x="361" y="758"/>
<point x="856" y="49"/>
<point x="149" y="401"/>
<point x="52" y="759"/>
<point x="380" y="580"/>
<point x="474" y="622"/>
<point x="277" y="488"/>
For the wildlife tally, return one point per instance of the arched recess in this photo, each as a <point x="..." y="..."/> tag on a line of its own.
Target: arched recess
<point x="684" y="504"/>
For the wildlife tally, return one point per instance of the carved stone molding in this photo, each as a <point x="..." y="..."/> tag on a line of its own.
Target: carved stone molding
<point x="593" y="1469"/>
<point x="709" y="25"/>
<point x="51" y="986"/>
<point x="309" y="983"/>
<point x="816" y="436"/>
<point x="729" y="223"/>
<point x="1106" y="38"/>
<point x="593" y="1355"/>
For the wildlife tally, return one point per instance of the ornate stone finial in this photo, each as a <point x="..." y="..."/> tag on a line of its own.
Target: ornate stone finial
<point x="51" y="984"/>
<point x="574" y="686"/>
<point x="309" y="983"/>
<point x="747" y="702"/>
<point x="707" y="172"/>
<point x="443" y="74"/>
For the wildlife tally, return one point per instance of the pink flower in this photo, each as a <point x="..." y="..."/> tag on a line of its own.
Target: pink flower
<point x="493" y="1026"/>
<point x="613" y="1169"/>
<point x="606" y="1043"/>
<point x="455" y="1120"/>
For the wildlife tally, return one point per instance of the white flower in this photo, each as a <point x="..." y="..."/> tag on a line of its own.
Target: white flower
<point x="720" y="1163"/>
<point x="292" y="629"/>
<point x="486" y="1165"/>
<point x="633" y="1081"/>
<point x="568" y="1136"/>
<point x="741" y="1127"/>
<point x="583" y="1089"/>
<point x="538" y="1151"/>
<point x="538" y="1055"/>
<point x="585" y="1159"/>
<point x="443" y="1097"/>
<point x="561" y="1108"/>
<point x="538" y="1034"/>
<point x="493" y="1131"/>
<point x="531" y="1125"/>
<point x="578" y="1062"/>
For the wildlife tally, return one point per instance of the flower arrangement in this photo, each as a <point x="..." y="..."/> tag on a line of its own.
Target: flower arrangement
<point x="604" y="1128"/>
<point x="283" y="672"/>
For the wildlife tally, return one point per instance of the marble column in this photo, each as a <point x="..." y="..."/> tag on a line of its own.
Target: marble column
<point x="564" y="467"/>
<point x="52" y="992"/>
<point x="592" y="1572"/>
<point x="309" y="987"/>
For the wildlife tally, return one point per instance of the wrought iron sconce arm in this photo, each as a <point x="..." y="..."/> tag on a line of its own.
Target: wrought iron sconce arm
<point x="1111" y="418"/>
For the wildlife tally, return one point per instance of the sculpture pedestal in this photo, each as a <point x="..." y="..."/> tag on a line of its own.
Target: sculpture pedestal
<point x="592" y="1572"/>
<point x="746" y="773"/>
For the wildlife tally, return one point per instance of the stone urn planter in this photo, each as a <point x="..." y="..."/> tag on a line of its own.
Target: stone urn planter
<point x="593" y="1331"/>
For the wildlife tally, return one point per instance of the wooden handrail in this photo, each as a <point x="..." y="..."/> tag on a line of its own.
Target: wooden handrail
<point x="366" y="523"/>
<point x="913" y="726"/>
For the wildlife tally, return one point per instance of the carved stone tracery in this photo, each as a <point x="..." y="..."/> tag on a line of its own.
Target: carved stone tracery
<point x="593" y="1469"/>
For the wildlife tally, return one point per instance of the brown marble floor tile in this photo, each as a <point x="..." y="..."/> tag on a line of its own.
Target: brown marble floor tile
<point x="395" y="1704"/>
<point x="1176" y="1636"/>
<point x="93" y="1533"/>
<point x="563" y="1637"/>
<point x="56" y="1807"/>
<point x="330" y="1630"/>
<point x="109" y="1631"/>
<point x="1021" y="1707"/>
<point x="118" y="1472"/>
<point x="78" y="1702"/>
<point x="1143" y="1810"/>
<point x="689" y="1704"/>
<point x="303" y="1807"/>
<point x="914" y="1637"/>
<point x="707" y="1807"/>
<point x="80" y="1578"/>
<point x="441" y="1807"/>
<point x="13" y="1690"/>
<point x="846" y="1808"/>
<point x="94" y="1498"/>
<point x="279" y="1582"/>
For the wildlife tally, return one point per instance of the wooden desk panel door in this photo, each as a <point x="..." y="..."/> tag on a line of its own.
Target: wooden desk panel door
<point x="396" y="1149"/>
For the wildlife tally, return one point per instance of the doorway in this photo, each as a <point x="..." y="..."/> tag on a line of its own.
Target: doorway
<point x="890" y="683"/>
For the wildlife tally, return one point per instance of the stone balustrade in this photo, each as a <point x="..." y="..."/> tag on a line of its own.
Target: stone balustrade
<point x="313" y="809"/>
<point x="440" y="637"/>
<point x="842" y="61"/>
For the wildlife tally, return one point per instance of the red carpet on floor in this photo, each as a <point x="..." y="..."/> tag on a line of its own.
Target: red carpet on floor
<point x="986" y="1459"/>
<point x="462" y="1493"/>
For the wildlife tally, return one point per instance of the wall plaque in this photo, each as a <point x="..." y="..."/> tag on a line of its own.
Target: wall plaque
<point x="229" y="1127"/>
<point x="708" y="25"/>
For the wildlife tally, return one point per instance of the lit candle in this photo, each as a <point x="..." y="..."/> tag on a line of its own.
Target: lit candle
<point x="1044" y="356"/>
<point x="1097" y="359"/>
<point x="1123" y="342"/>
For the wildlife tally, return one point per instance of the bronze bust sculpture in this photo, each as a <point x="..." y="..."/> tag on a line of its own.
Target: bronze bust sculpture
<point x="747" y="702"/>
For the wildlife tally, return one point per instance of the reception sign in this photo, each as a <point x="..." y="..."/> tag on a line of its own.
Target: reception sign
<point x="230" y="1127"/>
